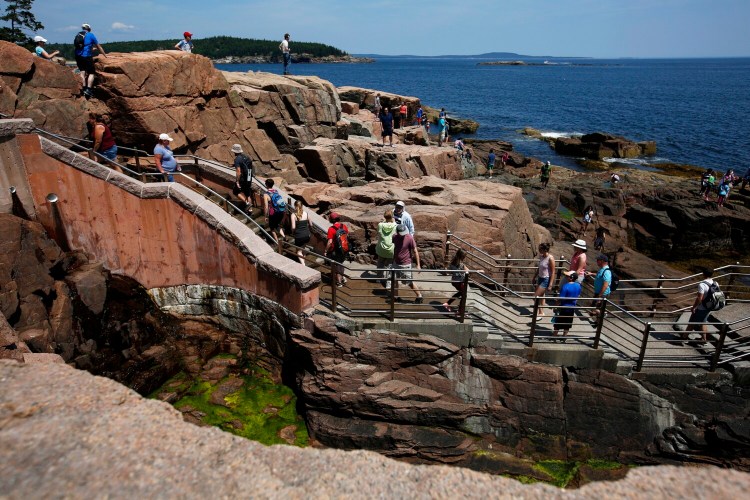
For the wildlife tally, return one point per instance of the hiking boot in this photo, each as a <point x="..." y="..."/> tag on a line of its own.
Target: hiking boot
<point x="419" y="300"/>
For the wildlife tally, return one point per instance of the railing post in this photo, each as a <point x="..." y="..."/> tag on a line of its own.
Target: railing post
<point x="644" y="344"/>
<point x="559" y="274"/>
<point x="600" y="322"/>
<point x="719" y="347"/>
<point x="731" y="282"/>
<point x="394" y="292"/>
<point x="334" y="287"/>
<point x="446" y="260"/>
<point x="506" y="273"/>
<point x="464" y="296"/>
<point x="198" y="175"/>
<point x="280" y="245"/>
<point x="533" y="321"/>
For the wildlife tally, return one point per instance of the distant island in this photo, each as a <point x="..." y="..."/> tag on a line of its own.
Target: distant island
<point x="487" y="55"/>
<point x="228" y="49"/>
<point x="526" y="63"/>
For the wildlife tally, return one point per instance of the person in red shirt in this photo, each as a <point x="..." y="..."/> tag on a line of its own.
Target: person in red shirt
<point x="334" y="253"/>
<point x="403" y="111"/>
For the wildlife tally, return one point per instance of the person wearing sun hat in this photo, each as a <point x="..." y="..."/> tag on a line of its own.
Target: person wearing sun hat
<point x="39" y="50"/>
<point x="185" y="45"/>
<point x="164" y="158"/>
<point x="578" y="261"/>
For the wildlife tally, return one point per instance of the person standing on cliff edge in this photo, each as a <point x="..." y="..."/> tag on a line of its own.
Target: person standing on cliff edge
<point x="85" y="43"/>
<point x="284" y="48"/>
<point x="185" y="45"/>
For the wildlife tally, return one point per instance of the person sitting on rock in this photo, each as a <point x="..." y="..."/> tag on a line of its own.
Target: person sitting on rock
<point x="39" y="50"/>
<point x="459" y="145"/>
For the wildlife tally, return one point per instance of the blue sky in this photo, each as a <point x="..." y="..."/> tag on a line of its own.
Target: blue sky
<point x="595" y="28"/>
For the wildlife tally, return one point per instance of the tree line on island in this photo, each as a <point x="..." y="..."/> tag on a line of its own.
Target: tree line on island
<point x="215" y="47"/>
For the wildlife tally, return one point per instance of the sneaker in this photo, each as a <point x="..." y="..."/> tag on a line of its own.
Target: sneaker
<point x="419" y="300"/>
<point x="340" y="284"/>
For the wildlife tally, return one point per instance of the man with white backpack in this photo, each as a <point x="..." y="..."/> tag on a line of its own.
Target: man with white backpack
<point x="709" y="298"/>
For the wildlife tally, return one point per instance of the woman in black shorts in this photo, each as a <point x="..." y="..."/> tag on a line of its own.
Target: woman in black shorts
<point x="300" y="229"/>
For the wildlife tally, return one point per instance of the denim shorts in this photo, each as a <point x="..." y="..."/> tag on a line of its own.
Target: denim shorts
<point x="110" y="154"/>
<point x="542" y="282"/>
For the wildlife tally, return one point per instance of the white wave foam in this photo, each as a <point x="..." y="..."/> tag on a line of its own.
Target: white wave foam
<point x="628" y="161"/>
<point x="557" y="135"/>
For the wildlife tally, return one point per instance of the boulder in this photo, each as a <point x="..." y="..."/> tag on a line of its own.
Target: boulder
<point x="492" y="216"/>
<point x="599" y="145"/>
<point x="41" y="90"/>
<point x="89" y="282"/>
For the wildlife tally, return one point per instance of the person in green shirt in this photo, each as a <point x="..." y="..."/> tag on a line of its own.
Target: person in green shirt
<point x="546" y="171"/>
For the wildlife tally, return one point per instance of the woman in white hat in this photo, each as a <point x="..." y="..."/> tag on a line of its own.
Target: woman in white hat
<point x="164" y="158"/>
<point x="578" y="261"/>
<point x="39" y="50"/>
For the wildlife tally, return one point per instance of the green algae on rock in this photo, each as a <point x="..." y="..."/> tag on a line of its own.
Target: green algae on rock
<point x="248" y="404"/>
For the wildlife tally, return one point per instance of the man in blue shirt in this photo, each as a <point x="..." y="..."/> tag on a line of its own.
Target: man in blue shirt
<point x="490" y="163"/>
<point x="401" y="216"/>
<point x="570" y="291"/>
<point x="85" y="43"/>
<point x="602" y="281"/>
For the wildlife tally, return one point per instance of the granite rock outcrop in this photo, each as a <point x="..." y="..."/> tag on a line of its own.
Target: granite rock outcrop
<point x="492" y="216"/>
<point x="49" y="410"/>
<point x="427" y="400"/>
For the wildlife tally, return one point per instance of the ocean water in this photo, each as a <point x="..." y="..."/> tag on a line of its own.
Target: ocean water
<point x="697" y="110"/>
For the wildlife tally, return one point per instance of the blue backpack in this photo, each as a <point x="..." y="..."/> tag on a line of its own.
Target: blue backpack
<point x="277" y="202"/>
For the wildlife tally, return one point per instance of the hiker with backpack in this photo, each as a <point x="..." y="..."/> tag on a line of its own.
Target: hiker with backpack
<point x="275" y="209"/>
<point x="602" y="282"/>
<point x="243" y="185"/>
<point x="84" y="43"/>
<point x="709" y="298"/>
<point x="385" y="247"/>
<point x="337" y="246"/>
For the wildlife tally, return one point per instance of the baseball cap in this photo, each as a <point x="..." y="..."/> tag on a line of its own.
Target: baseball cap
<point x="400" y="204"/>
<point x="187" y="34"/>
<point x="86" y="26"/>
<point x="603" y="258"/>
<point x="236" y="148"/>
<point x="40" y="39"/>
<point x="402" y="229"/>
<point x="334" y="216"/>
<point x="165" y="137"/>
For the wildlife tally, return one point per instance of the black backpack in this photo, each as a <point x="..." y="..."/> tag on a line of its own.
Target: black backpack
<point x="246" y="167"/>
<point x="78" y="41"/>
<point x="615" y="283"/>
<point x="714" y="299"/>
